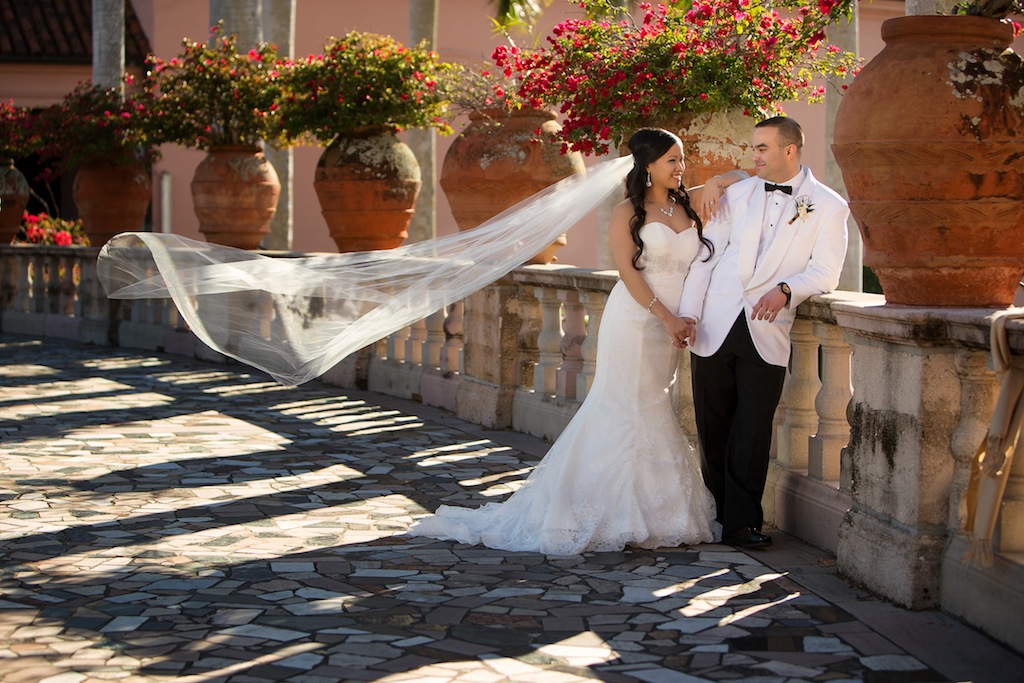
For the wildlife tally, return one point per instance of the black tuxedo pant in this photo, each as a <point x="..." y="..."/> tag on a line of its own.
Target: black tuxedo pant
<point x="735" y="394"/>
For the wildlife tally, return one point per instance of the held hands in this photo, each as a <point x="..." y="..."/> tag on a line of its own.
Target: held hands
<point x="683" y="332"/>
<point x="769" y="305"/>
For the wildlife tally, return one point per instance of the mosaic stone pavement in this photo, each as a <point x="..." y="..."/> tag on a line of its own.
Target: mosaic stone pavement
<point x="162" y="519"/>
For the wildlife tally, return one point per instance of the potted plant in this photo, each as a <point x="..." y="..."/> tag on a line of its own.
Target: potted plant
<point x="353" y="98"/>
<point x="681" y="66"/>
<point x="937" y="193"/>
<point x="102" y="136"/>
<point x="15" y="142"/>
<point x="214" y="98"/>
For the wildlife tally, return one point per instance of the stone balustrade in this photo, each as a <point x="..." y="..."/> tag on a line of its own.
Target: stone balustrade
<point x="881" y="415"/>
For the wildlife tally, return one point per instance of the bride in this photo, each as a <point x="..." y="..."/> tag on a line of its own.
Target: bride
<point x="622" y="472"/>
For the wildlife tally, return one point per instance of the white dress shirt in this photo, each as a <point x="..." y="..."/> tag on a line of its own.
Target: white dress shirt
<point x="774" y="213"/>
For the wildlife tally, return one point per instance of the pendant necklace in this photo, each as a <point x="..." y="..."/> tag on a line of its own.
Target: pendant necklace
<point x="671" y="207"/>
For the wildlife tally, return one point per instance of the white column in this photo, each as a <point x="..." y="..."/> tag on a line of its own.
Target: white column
<point x="279" y="28"/>
<point x="108" y="43"/>
<point x="846" y="37"/>
<point x="423" y="26"/>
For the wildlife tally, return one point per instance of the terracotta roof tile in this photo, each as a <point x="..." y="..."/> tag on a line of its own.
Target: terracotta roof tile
<point x="60" y="32"/>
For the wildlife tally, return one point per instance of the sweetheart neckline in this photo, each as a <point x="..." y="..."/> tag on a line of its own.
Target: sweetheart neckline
<point x="666" y="225"/>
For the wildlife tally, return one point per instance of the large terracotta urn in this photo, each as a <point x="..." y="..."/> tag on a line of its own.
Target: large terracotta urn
<point x="234" y="195"/>
<point x="367" y="182"/>
<point x="13" y="199"/>
<point x="930" y="140"/>
<point x="111" y="198"/>
<point x="714" y="143"/>
<point x="500" y="159"/>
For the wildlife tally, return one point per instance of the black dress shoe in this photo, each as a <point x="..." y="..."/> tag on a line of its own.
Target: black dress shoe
<point x="747" y="538"/>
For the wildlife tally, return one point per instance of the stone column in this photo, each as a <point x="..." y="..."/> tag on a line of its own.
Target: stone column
<point x="279" y="28"/>
<point x="423" y="226"/>
<point x="108" y="43"/>
<point x="845" y="36"/>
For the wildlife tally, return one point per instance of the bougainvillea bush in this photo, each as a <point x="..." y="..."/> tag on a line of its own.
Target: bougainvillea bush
<point x="45" y="229"/>
<point x="213" y="95"/>
<point x="93" y="123"/>
<point x="365" y="79"/>
<point x="610" y="76"/>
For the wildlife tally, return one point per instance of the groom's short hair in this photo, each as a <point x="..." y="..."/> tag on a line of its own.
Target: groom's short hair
<point x="790" y="132"/>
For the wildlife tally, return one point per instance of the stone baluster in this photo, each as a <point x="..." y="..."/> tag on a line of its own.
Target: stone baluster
<point x="549" y="342"/>
<point x="66" y="293"/>
<point x="51" y="281"/>
<point x="531" y="321"/>
<point x="37" y="299"/>
<point x="397" y="343"/>
<point x="451" y="353"/>
<point x="86" y="288"/>
<point x="264" y="319"/>
<point x="595" y="303"/>
<point x="23" y="290"/>
<point x="574" y="333"/>
<point x="435" y="338"/>
<point x="414" y="344"/>
<point x="833" y="431"/>
<point x="8" y="281"/>
<point x="798" y="395"/>
<point x="978" y="392"/>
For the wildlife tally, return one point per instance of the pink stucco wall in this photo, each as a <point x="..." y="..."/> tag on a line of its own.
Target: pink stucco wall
<point x="464" y="33"/>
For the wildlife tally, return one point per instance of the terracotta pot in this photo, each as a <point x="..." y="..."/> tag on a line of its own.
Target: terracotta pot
<point x="500" y="159"/>
<point x="714" y="143"/>
<point x="234" y="195"/>
<point x="13" y="199"/>
<point x="935" y="167"/>
<point x="111" y="198"/>
<point x="367" y="183"/>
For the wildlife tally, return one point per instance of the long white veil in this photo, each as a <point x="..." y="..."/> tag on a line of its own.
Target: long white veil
<point x="296" y="318"/>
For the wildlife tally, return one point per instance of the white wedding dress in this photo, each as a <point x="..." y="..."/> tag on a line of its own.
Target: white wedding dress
<point x="622" y="472"/>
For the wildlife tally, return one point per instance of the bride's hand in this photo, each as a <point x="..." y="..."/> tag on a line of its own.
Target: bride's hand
<point x="710" y="198"/>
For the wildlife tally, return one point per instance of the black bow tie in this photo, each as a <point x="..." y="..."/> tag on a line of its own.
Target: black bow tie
<point x="788" y="189"/>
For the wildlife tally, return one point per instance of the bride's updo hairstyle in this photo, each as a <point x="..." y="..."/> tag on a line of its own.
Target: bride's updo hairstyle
<point x="648" y="145"/>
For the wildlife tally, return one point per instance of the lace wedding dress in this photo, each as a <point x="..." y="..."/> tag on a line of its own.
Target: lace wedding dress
<point x="622" y="472"/>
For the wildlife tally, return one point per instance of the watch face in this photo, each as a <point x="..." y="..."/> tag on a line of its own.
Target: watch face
<point x="785" y="288"/>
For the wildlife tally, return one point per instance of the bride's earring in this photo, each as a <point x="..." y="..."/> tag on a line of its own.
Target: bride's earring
<point x="648" y="183"/>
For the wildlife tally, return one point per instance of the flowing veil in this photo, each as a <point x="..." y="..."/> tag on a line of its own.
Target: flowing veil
<point x="296" y="318"/>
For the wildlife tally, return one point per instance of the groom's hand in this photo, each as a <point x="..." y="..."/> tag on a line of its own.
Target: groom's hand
<point x="769" y="305"/>
<point x="688" y="334"/>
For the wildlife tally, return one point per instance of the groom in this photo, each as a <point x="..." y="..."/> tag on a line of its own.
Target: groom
<point x="779" y="238"/>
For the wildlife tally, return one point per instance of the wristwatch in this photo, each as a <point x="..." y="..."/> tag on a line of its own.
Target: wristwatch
<point x="787" y="291"/>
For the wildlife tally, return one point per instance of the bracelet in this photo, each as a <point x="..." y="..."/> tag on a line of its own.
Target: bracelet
<point x="651" y="305"/>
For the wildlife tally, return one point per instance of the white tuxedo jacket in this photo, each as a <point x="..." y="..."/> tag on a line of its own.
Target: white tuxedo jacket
<point x="807" y="254"/>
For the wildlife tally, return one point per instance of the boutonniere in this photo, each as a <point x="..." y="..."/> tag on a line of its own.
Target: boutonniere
<point x="803" y="207"/>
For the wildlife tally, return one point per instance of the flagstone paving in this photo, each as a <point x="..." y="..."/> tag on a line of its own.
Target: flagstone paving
<point x="162" y="519"/>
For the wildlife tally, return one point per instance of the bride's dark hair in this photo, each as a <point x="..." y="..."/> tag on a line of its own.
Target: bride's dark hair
<point x="648" y="145"/>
